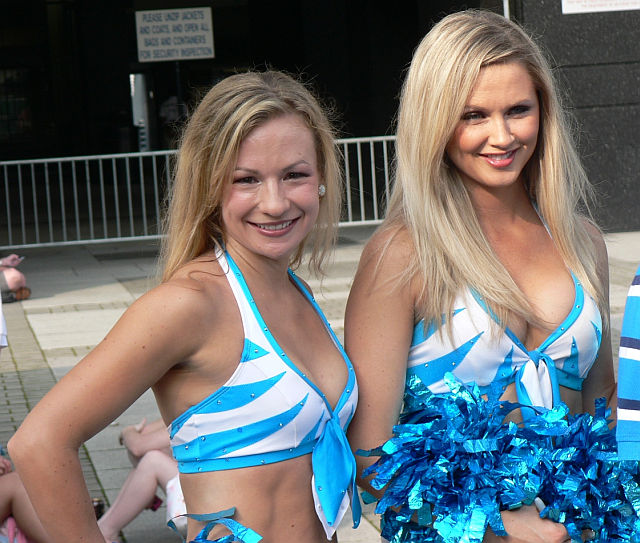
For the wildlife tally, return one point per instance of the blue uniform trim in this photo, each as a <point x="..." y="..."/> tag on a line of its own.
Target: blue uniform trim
<point x="269" y="411"/>
<point x="278" y="349"/>
<point x="474" y="354"/>
<point x="631" y="342"/>
<point x="218" y="444"/>
<point x="238" y="531"/>
<point x="235" y="462"/>
<point x="226" y="398"/>
<point x="422" y="333"/>
<point x="627" y="432"/>
<point x="439" y="366"/>
<point x="568" y="374"/>
<point x="628" y="404"/>
<point x="629" y="381"/>
<point x="628" y="429"/>
<point x="251" y="351"/>
<point x="351" y="375"/>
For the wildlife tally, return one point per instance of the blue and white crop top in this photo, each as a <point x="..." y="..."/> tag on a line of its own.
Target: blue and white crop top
<point x="475" y="354"/>
<point x="269" y="411"/>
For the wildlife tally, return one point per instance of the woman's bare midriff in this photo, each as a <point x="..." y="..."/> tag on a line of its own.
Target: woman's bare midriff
<point x="274" y="500"/>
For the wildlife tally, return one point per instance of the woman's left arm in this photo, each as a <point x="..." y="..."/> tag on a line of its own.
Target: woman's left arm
<point x="159" y="330"/>
<point x="601" y="379"/>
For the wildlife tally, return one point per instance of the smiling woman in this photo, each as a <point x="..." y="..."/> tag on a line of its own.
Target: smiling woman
<point x="484" y="274"/>
<point x="273" y="201"/>
<point x="254" y="385"/>
<point x="498" y="132"/>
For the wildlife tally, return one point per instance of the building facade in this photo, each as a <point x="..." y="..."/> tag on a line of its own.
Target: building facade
<point x="65" y="67"/>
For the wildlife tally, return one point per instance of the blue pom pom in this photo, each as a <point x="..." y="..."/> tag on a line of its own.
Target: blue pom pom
<point x="453" y="464"/>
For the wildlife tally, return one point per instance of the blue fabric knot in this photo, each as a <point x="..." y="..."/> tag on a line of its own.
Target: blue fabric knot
<point x="537" y="383"/>
<point x="334" y="470"/>
<point x="238" y="531"/>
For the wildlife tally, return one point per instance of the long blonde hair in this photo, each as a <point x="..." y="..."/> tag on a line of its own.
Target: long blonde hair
<point x="429" y="198"/>
<point x="208" y="153"/>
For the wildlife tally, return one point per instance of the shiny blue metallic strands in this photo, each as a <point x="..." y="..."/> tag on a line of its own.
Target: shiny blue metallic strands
<point x="453" y="459"/>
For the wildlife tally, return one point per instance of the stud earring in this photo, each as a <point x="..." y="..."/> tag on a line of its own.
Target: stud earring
<point x="321" y="190"/>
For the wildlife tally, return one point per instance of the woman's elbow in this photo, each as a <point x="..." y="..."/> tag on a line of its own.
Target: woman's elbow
<point x="29" y="443"/>
<point x="21" y="446"/>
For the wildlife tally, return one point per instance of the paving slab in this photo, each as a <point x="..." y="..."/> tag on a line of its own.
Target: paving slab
<point x="73" y="328"/>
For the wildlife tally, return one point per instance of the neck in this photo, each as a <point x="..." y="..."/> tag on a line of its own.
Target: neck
<point x="505" y="205"/>
<point x="504" y="214"/>
<point x="260" y="270"/>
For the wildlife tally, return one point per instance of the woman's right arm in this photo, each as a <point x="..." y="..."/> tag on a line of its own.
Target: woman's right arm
<point x="155" y="333"/>
<point x="378" y="330"/>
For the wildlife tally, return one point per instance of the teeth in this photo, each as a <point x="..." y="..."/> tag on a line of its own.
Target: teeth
<point x="500" y="157"/>
<point x="274" y="227"/>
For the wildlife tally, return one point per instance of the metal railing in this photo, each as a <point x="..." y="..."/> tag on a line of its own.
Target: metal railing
<point x="105" y="198"/>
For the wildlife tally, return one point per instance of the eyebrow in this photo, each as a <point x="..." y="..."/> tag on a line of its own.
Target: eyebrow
<point x="527" y="100"/>
<point x="285" y="169"/>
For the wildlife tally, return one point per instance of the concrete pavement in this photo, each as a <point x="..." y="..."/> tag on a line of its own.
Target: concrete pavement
<point x="80" y="291"/>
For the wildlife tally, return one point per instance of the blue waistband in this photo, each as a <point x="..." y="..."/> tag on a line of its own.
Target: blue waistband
<point x="218" y="464"/>
<point x="238" y="531"/>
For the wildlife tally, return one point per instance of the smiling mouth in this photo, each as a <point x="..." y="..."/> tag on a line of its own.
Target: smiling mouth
<point x="500" y="159"/>
<point x="500" y="156"/>
<point x="274" y="227"/>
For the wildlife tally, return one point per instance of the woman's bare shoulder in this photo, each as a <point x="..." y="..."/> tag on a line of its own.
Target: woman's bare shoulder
<point x="197" y="290"/>
<point x="385" y="265"/>
<point x="305" y="284"/>
<point x="391" y="245"/>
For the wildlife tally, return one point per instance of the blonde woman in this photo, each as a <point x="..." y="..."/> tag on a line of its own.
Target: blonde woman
<point x="484" y="265"/>
<point x="244" y="367"/>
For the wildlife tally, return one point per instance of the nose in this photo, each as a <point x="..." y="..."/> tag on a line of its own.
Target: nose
<point x="273" y="198"/>
<point x="501" y="135"/>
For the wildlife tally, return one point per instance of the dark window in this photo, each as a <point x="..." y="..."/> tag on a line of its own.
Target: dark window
<point x="15" y="106"/>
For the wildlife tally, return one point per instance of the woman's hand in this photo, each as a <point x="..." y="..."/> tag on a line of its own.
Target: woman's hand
<point x="5" y="466"/>
<point x="137" y="428"/>
<point x="143" y="437"/>
<point x="524" y="525"/>
<point x="11" y="261"/>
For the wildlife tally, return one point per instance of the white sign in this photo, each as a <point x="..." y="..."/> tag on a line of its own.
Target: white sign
<point x="593" y="6"/>
<point x="174" y="34"/>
